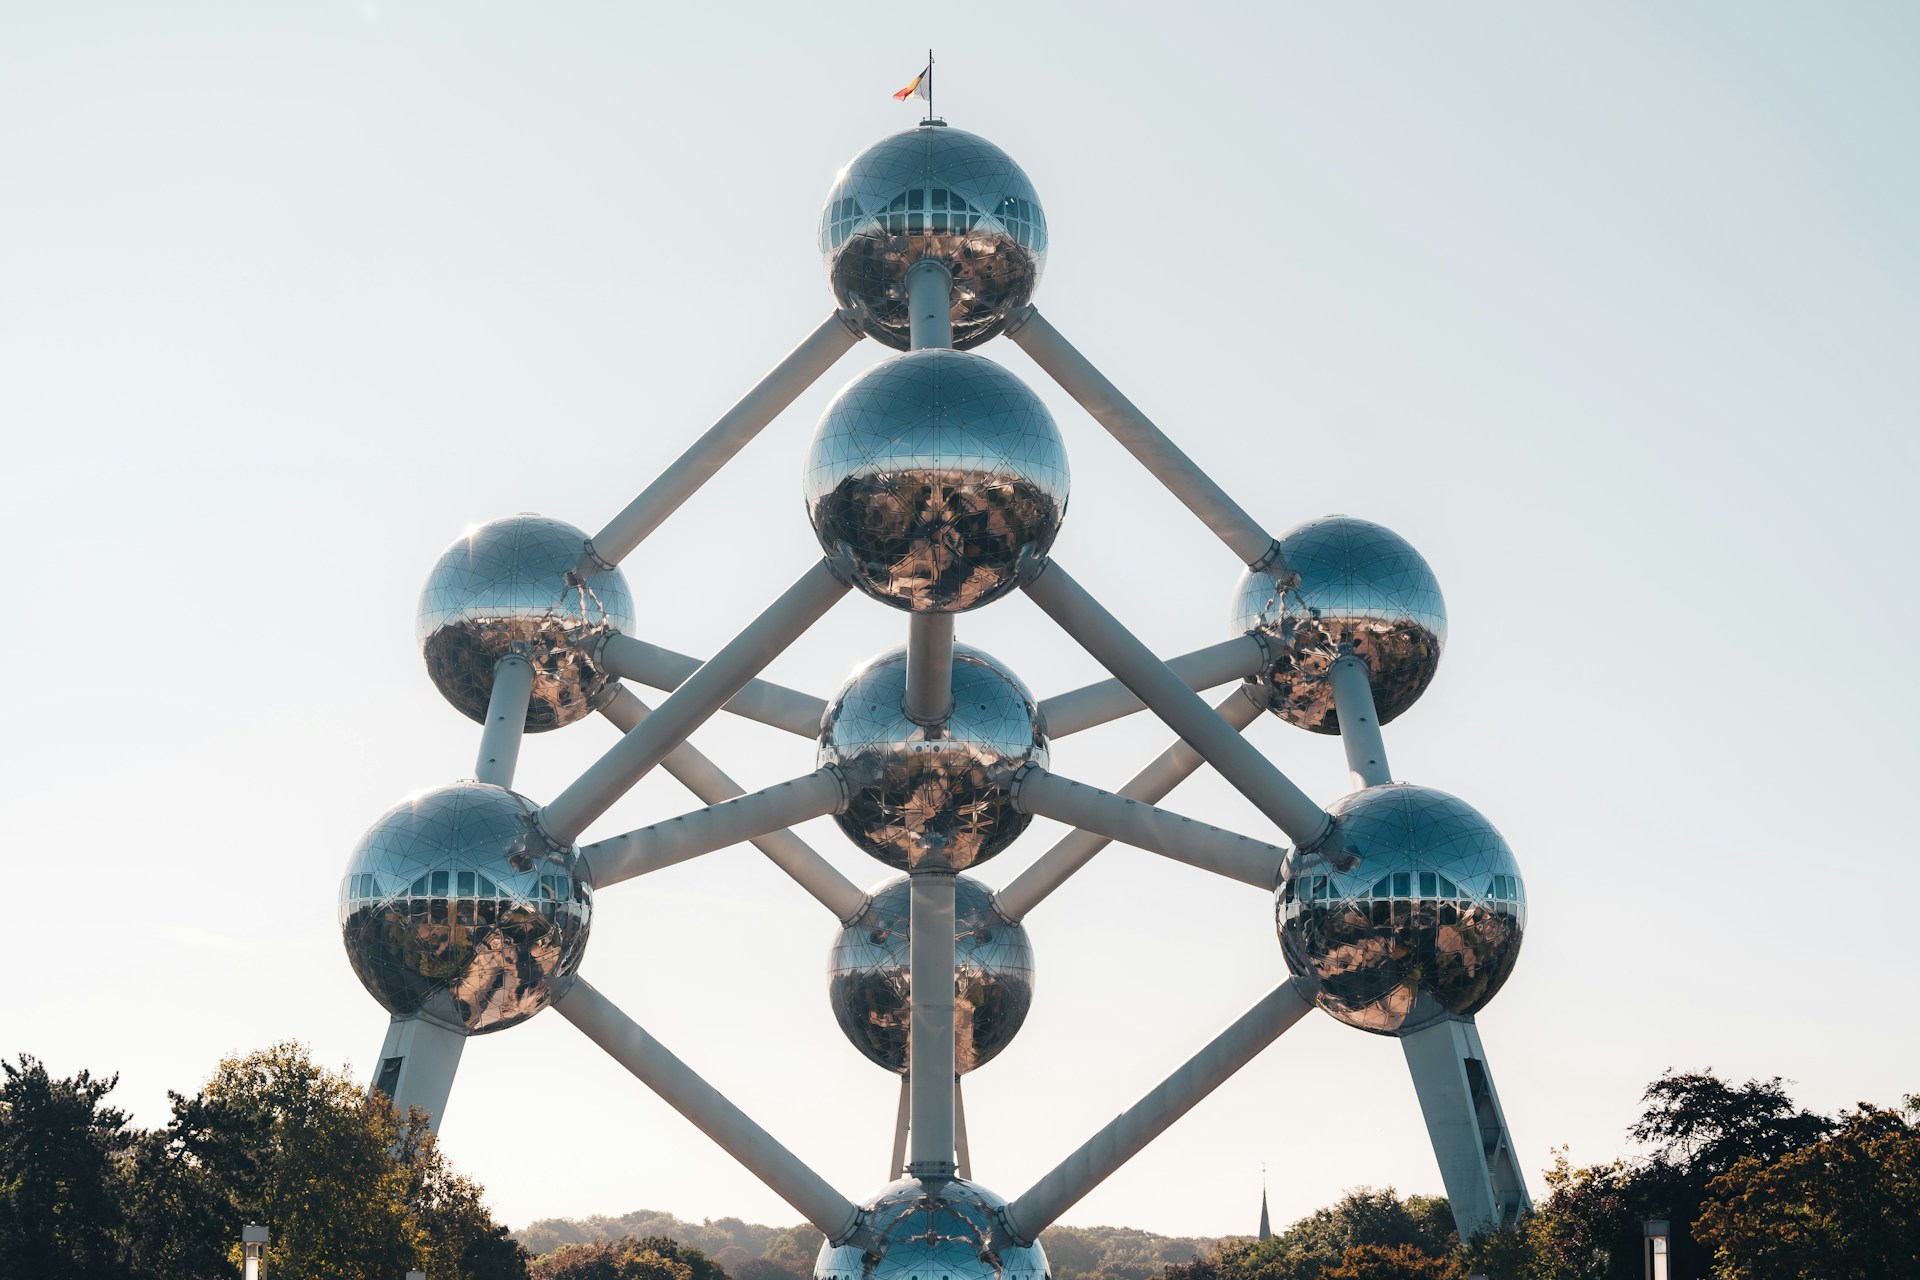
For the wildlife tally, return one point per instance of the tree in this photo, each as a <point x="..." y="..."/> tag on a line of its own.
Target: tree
<point x="61" y="1209"/>
<point x="188" y="1182"/>
<point x="648" y="1258"/>
<point x="1386" y="1230"/>
<point x="1378" y="1262"/>
<point x="1846" y="1207"/>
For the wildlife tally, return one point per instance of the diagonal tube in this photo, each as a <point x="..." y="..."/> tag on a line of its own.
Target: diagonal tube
<point x="628" y="1043"/>
<point x="710" y="785"/>
<point x="1096" y="704"/>
<point x="1359" y="723"/>
<point x="1075" y="849"/>
<point x="1135" y="431"/>
<point x="930" y="1028"/>
<point x="929" y="696"/>
<point x="717" y="826"/>
<point x="1144" y="826"/>
<point x="761" y="700"/>
<point x="798" y="370"/>
<point x="691" y="705"/>
<point x="1042" y="1204"/>
<point x="506" y="721"/>
<point x="1119" y="651"/>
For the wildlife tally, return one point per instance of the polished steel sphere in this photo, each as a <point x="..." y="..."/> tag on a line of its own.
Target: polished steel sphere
<point x="941" y="193"/>
<point x="1350" y="587"/>
<point x="931" y="1229"/>
<point x="939" y="795"/>
<point x="1411" y="910"/>
<point x="870" y="978"/>
<point x="503" y="589"/>
<point x="454" y="907"/>
<point x="931" y="473"/>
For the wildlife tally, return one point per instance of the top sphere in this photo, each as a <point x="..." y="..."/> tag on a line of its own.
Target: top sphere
<point x="1354" y="589"/>
<point x="1411" y="911"/>
<point x="503" y="589"/>
<point x="931" y="1229"/>
<point x="941" y="193"/>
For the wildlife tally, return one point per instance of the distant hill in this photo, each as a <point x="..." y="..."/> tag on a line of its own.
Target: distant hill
<point x="1076" y="1253"/>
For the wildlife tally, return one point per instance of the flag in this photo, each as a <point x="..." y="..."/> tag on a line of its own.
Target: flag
<point x="919" y="88"/>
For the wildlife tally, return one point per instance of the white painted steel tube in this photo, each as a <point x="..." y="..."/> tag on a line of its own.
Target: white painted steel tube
<point x="711" y="785"/>
<point x="1048" y="795"/>
<point x="929" y="305"/>
<point x="1136" y="432"/>
<point x="930" y="1026"/>
<point x="628" y="1043"/>
<point x="962" y="1158"/>
<point x="929" y="696"/>
<point x="691" y="705"/>
<point x="1041" y="1205"/>
<point x="798" y="370"/>
<point x="902" y="1121"/>
<point x="761" y="700"/>
<point x="1359" y="723"/>
<point x="506" y="721"/>
<point x="1097" y="704"/>
<point x="717" y="826"/>
<point x="1075" y="849"/>
<point x="1119" y="651"/>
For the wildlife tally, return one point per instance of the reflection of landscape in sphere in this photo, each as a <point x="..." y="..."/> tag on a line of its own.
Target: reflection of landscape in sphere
<point x="503" y="589"/>
<point x="1412" y="910"/>
<point x="870" y="979"/>
<point x="1363" y="590"/>
<point x="941" y="193"/>
<point x="938" y="795"/>
<point x="455" y="908"/>
<point x="937" y="1229"/>
<point x="934" y="471"/>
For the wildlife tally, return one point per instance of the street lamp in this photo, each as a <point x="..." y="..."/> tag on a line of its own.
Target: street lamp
<point x="253" y="1243"/>
<point x="1658" y="1236"/>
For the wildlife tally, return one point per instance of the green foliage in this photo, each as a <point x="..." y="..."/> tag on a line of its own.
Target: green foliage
<point x="1367" y="1233"/>
<point x="61" y="1213"/>
<point x="647" y="1258"/>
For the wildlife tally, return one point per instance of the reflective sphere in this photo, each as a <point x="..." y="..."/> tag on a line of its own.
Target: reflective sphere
<point x="1412" y="910"/>
<point x="455" y="908"/>
<point x="502" y="589"/>
<point x="1362" y="590"/>
<point x="941" y="193"/>
<point x="870" y="983"/>
<point x="936" y="1229"/>
<point x="933" y="471"/>
<point x="935" y="795"/>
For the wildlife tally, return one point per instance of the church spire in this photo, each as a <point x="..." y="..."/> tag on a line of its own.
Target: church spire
<point x="1266" y="1227"/>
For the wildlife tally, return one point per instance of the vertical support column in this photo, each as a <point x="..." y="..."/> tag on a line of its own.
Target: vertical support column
<point x="902" y="1121"/>
<point x="962" y="1160"/>
<point x="1359" y="723"/>
<point x="506" y="721"/>
<point x="417" y="1064"/>
<point x="929" y="696"/>
<point x="930" y="1030"/>
<point x="929" y="305"/>
<point x="1466" y="1126"/>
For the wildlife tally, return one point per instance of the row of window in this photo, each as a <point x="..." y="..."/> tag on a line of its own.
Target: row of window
<point x="936" y="210"/>
<point x="464" y="884"/>
<point x="1401" y="884"/>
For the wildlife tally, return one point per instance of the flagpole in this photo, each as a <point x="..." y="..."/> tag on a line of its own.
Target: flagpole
<point x="929" y="85"/>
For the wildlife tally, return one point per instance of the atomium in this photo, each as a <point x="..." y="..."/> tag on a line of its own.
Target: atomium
<point x="870" y="982"/>
<point x="455" y="909"/>
<point x="503" y="589"/>
<point x="1412" y="911"/>
<point x="932" y="1229"/>
<point x="1353" y="589"/>
<point x="940" y="795"/>
<point x="933" y="473"/>
<point x="940" y="193"/>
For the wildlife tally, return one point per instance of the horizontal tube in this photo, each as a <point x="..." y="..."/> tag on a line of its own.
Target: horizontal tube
<point x="506" y="721"/>
<point x="1120" y="651"/>
<point x="718" y="826"/>
<point x="1144" y="826"/>
<point x="1077" y="848"/>
<point x="691" y="705"/>
<point x="1359" y="723"/>
<point x="799" y="369"/>
<point x="628" y="1043"/>
<point x="760" y="700"/>
<point x="1096" y="704"/>
<point x="929" y="697"/>
<point x="1041" y="1206"/>
<point x="711" y="785"/>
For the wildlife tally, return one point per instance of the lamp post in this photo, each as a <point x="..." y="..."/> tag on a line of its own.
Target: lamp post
<point x="1658" y="1236"/>
<point x="253" y="1243"/>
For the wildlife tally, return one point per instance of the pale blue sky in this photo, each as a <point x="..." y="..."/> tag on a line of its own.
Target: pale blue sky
<point x="1610" y="309"/>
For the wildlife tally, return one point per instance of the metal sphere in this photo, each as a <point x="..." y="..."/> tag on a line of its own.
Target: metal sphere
<point x="1411" y="911"/>
<point x="933" y="472"/>
<point x="941" y="193"/>
<point x="870" y="978"/>
<point x="503" y="589"/>
<point x="1353" y="588"/>
<point x="455" y="908"/>
<point x="931" y="1229"/>
<point x="938" y="795"/>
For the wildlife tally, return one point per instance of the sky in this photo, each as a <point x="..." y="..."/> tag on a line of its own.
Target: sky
<point x="1610" y="310"/>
